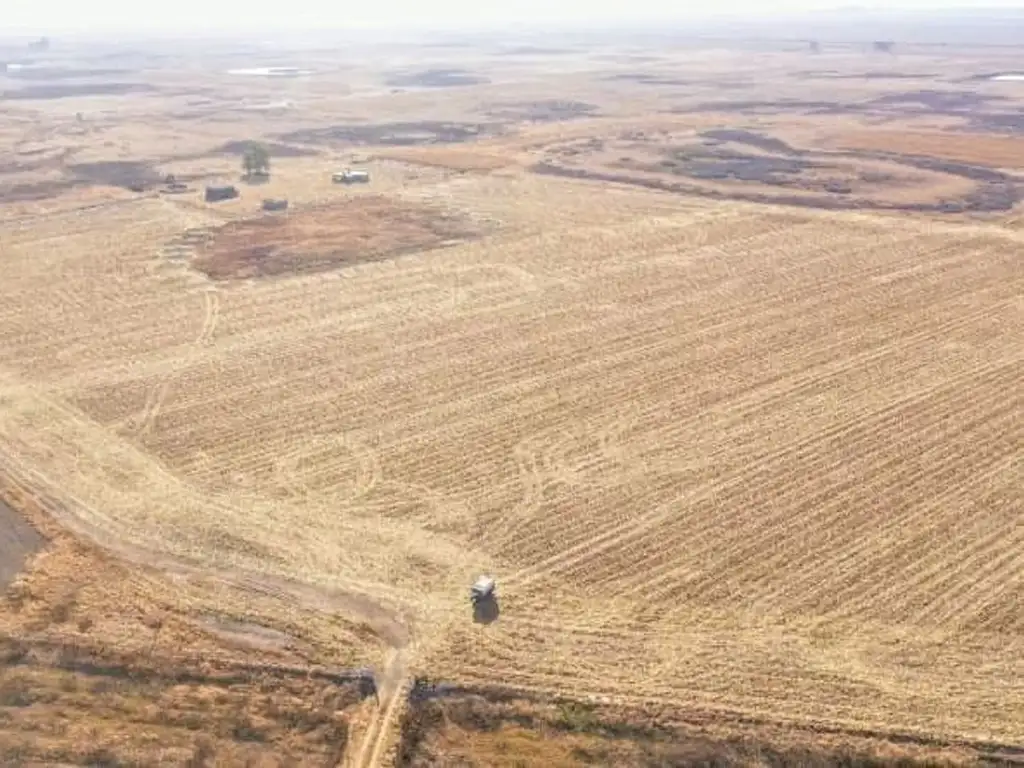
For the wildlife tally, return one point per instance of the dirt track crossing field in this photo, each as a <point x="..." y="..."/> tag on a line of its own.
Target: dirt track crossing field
<point x="728" y="458"/>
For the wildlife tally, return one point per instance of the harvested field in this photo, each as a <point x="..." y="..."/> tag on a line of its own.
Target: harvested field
<point x="730" y="410"/>
<point x="421" y="419"/>
<point x="357" y="231"/>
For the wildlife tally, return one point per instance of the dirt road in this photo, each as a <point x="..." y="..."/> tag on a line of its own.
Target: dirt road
<point x="392" y="687"/>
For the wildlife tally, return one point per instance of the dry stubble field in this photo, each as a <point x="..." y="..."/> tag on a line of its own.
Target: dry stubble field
<point x="741" y="465"/>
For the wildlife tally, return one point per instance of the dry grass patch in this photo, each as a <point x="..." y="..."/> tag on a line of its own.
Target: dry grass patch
<point x="982" y="149"/>
<point x="105" y="664"/>
<point x="501" y="729"/>
<point x="359" y="230"/>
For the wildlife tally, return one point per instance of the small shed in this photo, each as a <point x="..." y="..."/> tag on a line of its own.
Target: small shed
<point x="351" y="177"/>
<point x="217" y="194"/>
<point x="271" y="204"/>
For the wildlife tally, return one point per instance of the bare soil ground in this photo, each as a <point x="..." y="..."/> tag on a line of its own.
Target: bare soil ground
<point x="746" y="470"/>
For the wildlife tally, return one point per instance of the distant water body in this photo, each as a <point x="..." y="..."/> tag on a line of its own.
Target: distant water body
<point x="271" y="71"/>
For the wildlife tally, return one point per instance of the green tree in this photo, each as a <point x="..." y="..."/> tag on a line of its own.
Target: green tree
<point x="256" y="160"/>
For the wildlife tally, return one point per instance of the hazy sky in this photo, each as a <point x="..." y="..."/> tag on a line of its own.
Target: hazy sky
<point x="37" y="16"/>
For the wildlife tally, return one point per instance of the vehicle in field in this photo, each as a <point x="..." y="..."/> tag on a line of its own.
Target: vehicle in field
<point x="482" y="589"/>
<point x="351" y="177"/>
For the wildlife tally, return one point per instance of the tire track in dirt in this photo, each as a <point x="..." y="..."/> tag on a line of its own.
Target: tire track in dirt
<point x="144" y="423"/>
<point x="775" y="526"/>
<point x="387" y="623"/>
<point x="395" y="682"/>
<point x="616" y="534"/>
<point x="84" y="520"/>
<point x="790" y="312"/>
<point x="296" y="482"/>
<point x="528" y="465"/>
<point x="889" y="537"/>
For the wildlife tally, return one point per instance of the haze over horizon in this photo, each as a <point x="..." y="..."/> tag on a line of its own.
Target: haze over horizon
<point x="67" y="16"/>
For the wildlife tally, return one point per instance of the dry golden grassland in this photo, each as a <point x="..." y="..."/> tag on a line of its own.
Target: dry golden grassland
<point x="739" y="464"/>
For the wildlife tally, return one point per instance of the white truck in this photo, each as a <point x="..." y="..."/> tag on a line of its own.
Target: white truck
<point x="351" y="177"/>
<point x="482" y="589"/>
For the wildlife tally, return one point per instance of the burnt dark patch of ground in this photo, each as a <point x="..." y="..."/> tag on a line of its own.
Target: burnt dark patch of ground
<point x="394" y="134"/>
<point x="725" y="165"/>
<point x="643" y="78"/>
<point x="275" y="149"/>
<point x="70" y="90"/>
<point x="126" y="174"/>
<point x="66" y="73"/>
<point x="483" y="727"/>
<point x="782" y="106"/>
<point x="937" y="101"/>
<point x="435" y="78"/>
<point x="988" y="196"/>
<point x="543" y="111"/>
<point x="760" y="141"/>
<point x="18" y="541"/>
<point x="37" y="190"/>
<point x="361" y="230"/>
<point x="997" y="122"/>
<point x="34" y="160"/>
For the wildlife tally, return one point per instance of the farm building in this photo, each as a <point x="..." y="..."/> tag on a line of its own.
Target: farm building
<point x="216" y="194"/>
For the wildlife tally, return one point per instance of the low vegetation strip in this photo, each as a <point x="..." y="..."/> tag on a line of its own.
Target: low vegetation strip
<point x="494" y="726"/>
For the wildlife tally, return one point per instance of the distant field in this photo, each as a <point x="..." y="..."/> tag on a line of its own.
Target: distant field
<point x="995" y="151"/>
<point x="742" y="452"/>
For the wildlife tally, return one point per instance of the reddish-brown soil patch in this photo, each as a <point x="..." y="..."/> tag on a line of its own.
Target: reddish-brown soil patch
<point x="361" y="229"/>
<point x="18" y="540"/>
